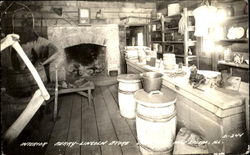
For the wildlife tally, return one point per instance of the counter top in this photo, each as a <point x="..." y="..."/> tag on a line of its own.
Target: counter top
<point x="218" y="102"/>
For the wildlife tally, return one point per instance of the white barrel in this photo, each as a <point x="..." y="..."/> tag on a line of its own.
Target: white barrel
<point x="128" y="84"/>
<point x="155" y="121"/>
<point x="130" y="87"/>
<point x="127" y="104"/>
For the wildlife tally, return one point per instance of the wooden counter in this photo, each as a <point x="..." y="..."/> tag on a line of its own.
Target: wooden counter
<point x="213" y="114"/>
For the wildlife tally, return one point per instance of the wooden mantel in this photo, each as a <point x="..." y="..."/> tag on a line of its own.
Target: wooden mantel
<point x="211" y="113"/>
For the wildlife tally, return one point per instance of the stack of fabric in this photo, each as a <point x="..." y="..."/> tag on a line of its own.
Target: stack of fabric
<point x="132" y="52"/>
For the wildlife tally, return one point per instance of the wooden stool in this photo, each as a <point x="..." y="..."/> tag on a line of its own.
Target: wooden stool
<point x="89" y="86"/>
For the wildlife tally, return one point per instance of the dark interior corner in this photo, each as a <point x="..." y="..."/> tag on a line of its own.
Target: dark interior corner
<point x="85" y="54"/>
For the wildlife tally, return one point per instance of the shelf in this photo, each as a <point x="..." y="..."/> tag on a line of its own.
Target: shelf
<point x="155" y="20"/>
<point x="178" y="55"/>
<point x="244" y="40"/>
<point x="191" y="43"/>
<point x="246" y="66"/>
<point x="156" y="31"/>
<point x="156" y="41"/>
<point x="174" y="42"/>
<point x="184" y="41"/>
<point x="192" y="57"/>
<point x="172" y="16"/>
<point x="191" y="28"/>
<point x="237" y="18"/>
<point x="173" y="28"/>
<point x="189" y="57"/>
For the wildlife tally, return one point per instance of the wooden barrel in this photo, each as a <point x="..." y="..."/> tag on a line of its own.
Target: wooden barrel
<point x="128" y="84"/>
<point x="155" y="121"/>
<point x="21" y="83"/>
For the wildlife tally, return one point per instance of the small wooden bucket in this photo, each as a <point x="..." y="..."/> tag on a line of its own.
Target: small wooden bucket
<point x="155" y="121"/>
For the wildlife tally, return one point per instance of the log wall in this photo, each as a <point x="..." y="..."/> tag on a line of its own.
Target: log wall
<point x="112" y="12"/>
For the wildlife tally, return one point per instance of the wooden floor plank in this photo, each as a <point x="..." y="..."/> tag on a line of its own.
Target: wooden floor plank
<point x="121" y="127"/>
<point x="131" y="122"/>
<point x="105" y="126"/>
<point x="132" y="125"/>
<point x="60" y="130"/>
<point x="89" y="129"/>
<point x="42" y="134"/>
<point x="100" y="122"/>
<point x="114" y="91"/>
<point x="74" y="134"/>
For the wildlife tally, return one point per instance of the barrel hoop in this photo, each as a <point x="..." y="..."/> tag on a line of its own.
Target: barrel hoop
<point x="126" y="92"/>
<point x="165" y="118"/>
<point x="170" y="104"/>
<point x="127" y="117"/>
<point x="130" y="82"/>
<point x="168" y="150"/>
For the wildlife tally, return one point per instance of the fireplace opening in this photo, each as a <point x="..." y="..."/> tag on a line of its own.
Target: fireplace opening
<point x="85" y="60"/>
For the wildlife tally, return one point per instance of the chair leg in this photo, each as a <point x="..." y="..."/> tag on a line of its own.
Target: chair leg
<point x="55" y="107"/>
<point x="89" y="97"/>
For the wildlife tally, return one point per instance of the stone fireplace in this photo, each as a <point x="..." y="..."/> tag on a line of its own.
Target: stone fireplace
<point x="85" y="60"/>
<point x="105" y="37"/>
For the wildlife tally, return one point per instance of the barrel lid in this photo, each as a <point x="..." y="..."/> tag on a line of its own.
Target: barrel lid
<point x="165" y="97"/>
<point x="129" y="78"/>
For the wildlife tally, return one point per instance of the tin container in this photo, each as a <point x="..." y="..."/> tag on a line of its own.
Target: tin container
<point x="151" y="81"/>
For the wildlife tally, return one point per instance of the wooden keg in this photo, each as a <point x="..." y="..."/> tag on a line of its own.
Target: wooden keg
<point x="155" y="121"/>
<point x="21" y="83"/>
<point x="128" y="84"/>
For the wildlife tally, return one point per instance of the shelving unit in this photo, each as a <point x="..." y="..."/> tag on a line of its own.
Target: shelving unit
<point x="186" y="42"/>
<point x="156" y="35"/>
<point x="236" y="46"/>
